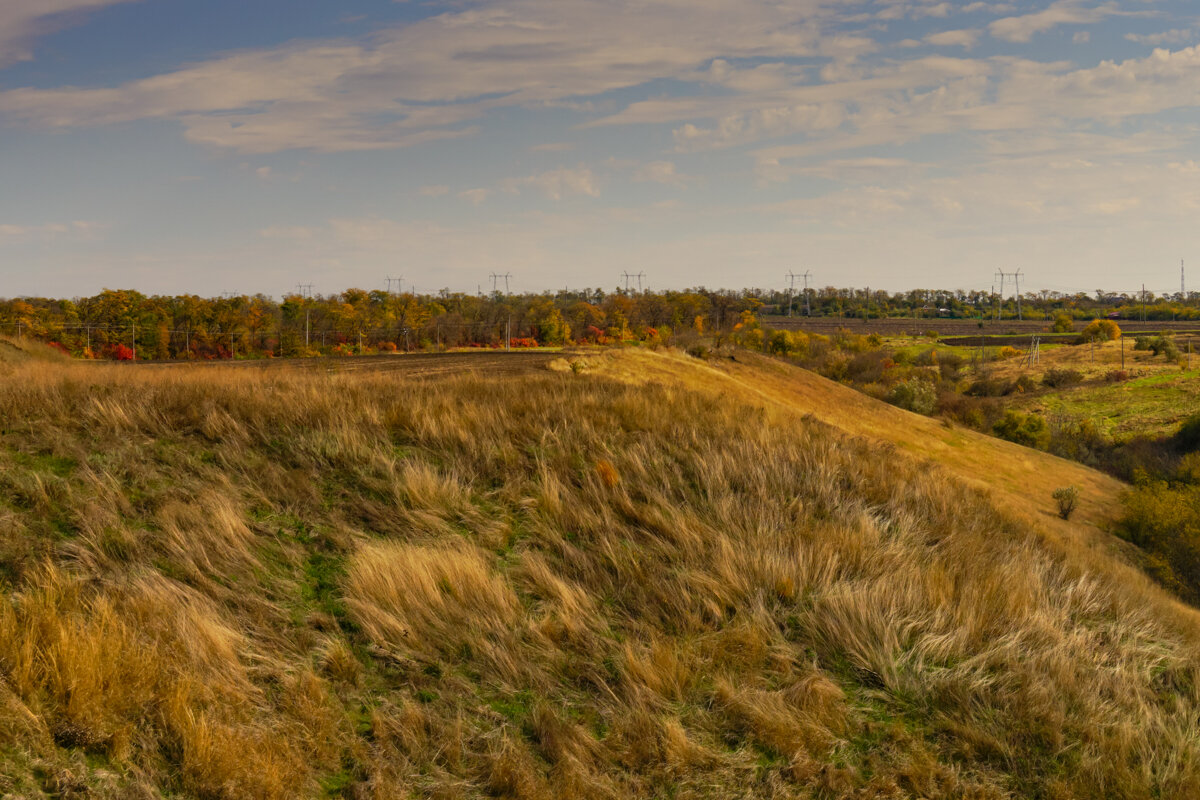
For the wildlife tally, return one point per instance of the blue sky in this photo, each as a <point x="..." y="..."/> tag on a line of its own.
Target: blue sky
<point x="212" y="146"/>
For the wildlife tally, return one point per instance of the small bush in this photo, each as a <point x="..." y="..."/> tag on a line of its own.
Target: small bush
<point x="1162" y="346"/>
<point x="1102" y="330"/>
<point x="1007" y="352"/>
<point x="931" y="334"/>
<point x="1023" y="429"/>
<point x="950" y="364"/>
<point x="1061" y="378"/>
<point x="1187" y="438"/>
<point x="1117" y="376"/>
<point x="1063" y="323"/>
<point x="1067" y="498"/>
<point x="868" y="367"/>
<point x="914" y="395"/>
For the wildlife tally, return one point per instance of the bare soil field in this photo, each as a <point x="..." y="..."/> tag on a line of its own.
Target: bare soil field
<point x="894" y="326"/>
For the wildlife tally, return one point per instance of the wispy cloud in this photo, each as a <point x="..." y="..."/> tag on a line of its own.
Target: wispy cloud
<point x="23" y="21"/>
<point x="83" y="229"/>
<point x="965" y="39"/>
<point x="435" y="78"/>
<point x="1024" y="27"/>
<point x="561" y="183"/>
<point x="1172" y="37"/>
<point x="664" y="172"/>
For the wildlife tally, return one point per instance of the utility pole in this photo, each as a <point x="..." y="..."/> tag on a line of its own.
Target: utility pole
<point x="807" y="299"/>
<point x="1017" y="278"/>
<point x="1000" y="301"/>
<point x="791" y="276"/>
<point x="1143" y="302"/>
<point x="399" y="284"/>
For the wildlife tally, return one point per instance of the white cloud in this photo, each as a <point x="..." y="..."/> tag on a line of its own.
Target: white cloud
<point x="962" y="38"/>
<point x="78" y="229"/>
<point x="1081" y="37"/>
<point x="1171" y="37"/>
<point x="1062" y="12"/>
<point x="475" y="196"/>
<point x="432" y="79"/>
<point x="434" y="191"/>
<point x="663" y="172"/>
<point x="561" y="183"/>
<point x="22" y="21"/>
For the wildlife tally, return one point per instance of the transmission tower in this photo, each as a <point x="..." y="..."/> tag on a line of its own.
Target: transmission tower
<point x="630" y="276"/>
<point x="1016" y="276"/>
<point x="496" y="278"/>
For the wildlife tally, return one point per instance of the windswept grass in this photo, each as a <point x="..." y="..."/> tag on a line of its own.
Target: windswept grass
<point x="229" y="584"/>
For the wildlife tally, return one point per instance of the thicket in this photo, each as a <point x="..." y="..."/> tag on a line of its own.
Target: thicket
<point x="1163" y="509"/>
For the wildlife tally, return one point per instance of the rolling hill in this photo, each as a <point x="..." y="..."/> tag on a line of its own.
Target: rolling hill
<point x="645" y="576"/>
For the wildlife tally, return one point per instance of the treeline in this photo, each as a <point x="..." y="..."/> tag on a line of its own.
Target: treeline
<point x="126" y="324"/>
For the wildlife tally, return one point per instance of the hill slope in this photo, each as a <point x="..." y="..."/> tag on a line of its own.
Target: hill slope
<point x="1019" y="478"/>
<point x="649" y="579"/>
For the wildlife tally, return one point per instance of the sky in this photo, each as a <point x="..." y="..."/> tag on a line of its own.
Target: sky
<point x="212" y="146"/>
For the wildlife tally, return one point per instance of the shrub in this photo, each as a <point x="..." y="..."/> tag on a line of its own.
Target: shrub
<point x="1063" y="323"/>
<point x="1102" y="330"/>
<point x="1163" y="522"/>
<point x="1187" y="438"/>
<point x="119" y="352"/>
<point x="1061" y="378"/>
<point x="1141" y="343"/>
<point x="1067" y="497"/>
<point x="1162" y="346"/>
<point x="1117" y="376"/>
<point x="1188" y="470"/>
<point x="868" y="367"/>
<point x="1007" y="352"/>
<point x="1023" y="429"/>
<point x="989" y="387"/>
<point x="914" y="395"/>
<point x="931" y="334"/>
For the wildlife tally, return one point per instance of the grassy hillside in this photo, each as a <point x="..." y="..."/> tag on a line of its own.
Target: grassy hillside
<point x="652" y="577"/>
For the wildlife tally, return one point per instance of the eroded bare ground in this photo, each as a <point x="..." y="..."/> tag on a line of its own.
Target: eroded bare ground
<point x="492" y="362"/>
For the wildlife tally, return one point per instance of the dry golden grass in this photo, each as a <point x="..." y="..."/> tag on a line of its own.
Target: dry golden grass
<point x="650" y="578"/>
